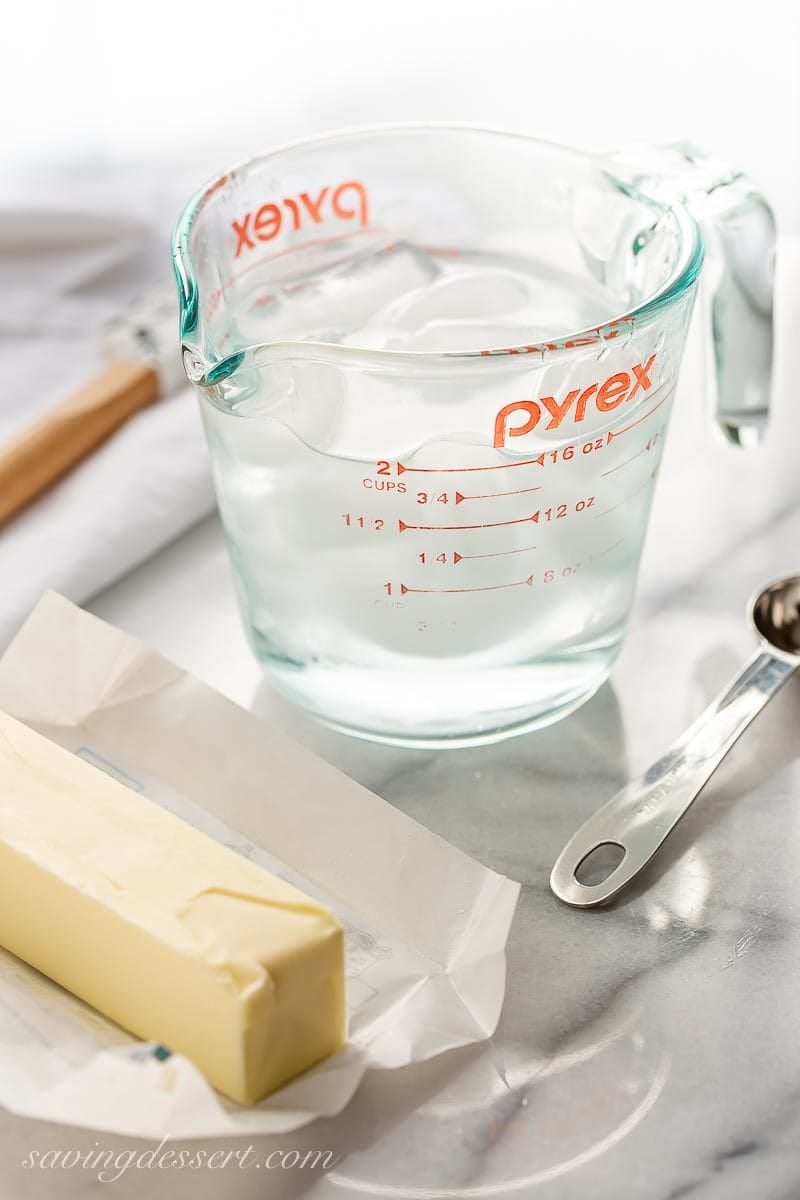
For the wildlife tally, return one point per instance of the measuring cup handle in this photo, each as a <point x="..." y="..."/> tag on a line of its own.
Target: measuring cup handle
<point x="736" y="287"/>
<point x="640" y="817"/>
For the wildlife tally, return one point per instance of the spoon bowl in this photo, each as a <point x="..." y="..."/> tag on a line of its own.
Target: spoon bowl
<point x="641" y="817"/>
<point x="775" y="615"/>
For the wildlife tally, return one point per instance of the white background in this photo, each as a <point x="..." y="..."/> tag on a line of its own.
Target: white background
<point x="209" y="82"/>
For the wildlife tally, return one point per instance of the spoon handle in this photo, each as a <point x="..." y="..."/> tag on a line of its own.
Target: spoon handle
<point x="644" y="813"/>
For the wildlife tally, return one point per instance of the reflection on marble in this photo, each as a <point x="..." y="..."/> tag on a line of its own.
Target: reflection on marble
<point x="655" y="1041"/>
<point x="649" y="1051"/>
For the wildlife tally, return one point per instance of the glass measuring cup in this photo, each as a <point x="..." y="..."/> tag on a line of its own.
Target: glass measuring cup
<point x="436" y="367"/>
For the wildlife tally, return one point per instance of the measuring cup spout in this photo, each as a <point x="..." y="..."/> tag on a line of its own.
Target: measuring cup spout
<point x="736" y="290"/>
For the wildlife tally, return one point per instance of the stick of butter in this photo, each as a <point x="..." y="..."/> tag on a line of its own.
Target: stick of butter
<point x="175" y="937"/>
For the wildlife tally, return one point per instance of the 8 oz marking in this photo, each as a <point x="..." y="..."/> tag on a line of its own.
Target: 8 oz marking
<point x="551" y="575"/>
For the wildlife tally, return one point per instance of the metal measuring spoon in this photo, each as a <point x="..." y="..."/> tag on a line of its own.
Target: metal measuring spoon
<point x="642" y="816"/>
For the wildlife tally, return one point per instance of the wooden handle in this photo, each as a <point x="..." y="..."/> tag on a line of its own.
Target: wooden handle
<point x="60" y="438"/>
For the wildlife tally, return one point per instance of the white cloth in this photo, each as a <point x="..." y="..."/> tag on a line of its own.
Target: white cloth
<point x="74" y="251"/>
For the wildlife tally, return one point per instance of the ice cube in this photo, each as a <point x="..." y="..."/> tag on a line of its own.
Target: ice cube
<point x="340" y="298"/>
<point x="465" y="296"/>
<point x="472" y="305"/>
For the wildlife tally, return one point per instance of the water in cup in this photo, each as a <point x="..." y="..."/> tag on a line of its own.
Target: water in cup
<point x="430" y="576"/>
<point x="436" y="368"/>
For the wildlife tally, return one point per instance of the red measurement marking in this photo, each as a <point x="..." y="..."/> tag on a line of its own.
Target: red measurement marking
<point x="529" y="462"/>
<point x="619" y="432"/>
<point x="497" y="554"/>
<point x="493" y="495"/>
<point x="490" y="525"/>
<point x="497" y="587"/>
<point x="624" y="499"/>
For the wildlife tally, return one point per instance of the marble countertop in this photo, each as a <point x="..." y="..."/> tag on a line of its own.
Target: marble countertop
<point x="650" y="1051"/>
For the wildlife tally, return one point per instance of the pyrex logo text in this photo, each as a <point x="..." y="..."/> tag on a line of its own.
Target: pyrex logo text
<point x="519" y="418"/>
<point x="348" y="201"/>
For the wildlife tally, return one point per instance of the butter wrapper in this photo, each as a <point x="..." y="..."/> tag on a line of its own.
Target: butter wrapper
<point x="426" y="925"/>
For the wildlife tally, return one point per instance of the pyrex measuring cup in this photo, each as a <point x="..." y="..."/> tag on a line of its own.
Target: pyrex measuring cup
<point x="436" y="367"/>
